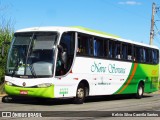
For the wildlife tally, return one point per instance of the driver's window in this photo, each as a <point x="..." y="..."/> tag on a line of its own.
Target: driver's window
<point x="65" y="53"/>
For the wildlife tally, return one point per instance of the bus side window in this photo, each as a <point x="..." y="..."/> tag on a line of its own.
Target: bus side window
<point x="117" y="51"/>
<point x="111" y="49"/>
<point x="144" y="55"/>
<point x="98" y="47"/>
<point x="105" y="47"/>
<point x="124" y="51"/>
<point x="65" y="53"/>
<point x="141" y="54"/>
<point x="81" y="45"/>
<point x="90" y="46"/>
<point x="84" y="45"/>
<point x="138" y="54"/>
<point x="155" y="56"/>
<point x="129" y="52"/>
<point x="148" y="55"/>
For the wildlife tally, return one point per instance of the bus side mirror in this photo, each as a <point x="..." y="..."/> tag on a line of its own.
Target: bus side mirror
<point x="63" y="54"/>
<point x="60" y="48"/>
<point x="64" y="57"/>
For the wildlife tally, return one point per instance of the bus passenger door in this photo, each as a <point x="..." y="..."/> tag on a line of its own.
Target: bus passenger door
<point x="65" y="56"/>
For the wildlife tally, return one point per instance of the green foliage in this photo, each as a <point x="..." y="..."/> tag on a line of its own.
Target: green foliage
<point x="6" y="34"/>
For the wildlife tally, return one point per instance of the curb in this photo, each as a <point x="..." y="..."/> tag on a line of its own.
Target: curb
<point x="154" y="93"/>
<point x="2" y="95"/>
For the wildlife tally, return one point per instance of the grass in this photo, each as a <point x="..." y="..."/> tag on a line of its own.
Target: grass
<point x="6" y="34"/>
<point x="2" y="89"/>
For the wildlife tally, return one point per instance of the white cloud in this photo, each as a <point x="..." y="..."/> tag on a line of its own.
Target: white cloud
<point x="130" y="3"/>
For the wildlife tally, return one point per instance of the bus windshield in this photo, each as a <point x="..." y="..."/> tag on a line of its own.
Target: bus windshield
<point x="32" y="54"/>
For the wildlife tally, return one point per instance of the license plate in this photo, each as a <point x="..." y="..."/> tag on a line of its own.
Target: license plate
<point x="23" y="92"/>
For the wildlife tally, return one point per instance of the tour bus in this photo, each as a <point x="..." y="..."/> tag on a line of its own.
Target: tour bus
<point x="76" y="62"/>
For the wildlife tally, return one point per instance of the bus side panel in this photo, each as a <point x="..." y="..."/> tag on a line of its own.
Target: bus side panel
<point x="141" y="72"/>
<point x="105" y="77"/>
<point x="151" y="72"/>
<point x="129" y="85"/>
<point x="61" y="91"/>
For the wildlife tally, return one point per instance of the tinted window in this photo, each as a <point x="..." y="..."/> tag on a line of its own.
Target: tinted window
<point x="85" y="45"/>
<point x="98" y="47"/>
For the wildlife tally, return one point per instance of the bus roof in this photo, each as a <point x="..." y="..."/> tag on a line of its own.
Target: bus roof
<point x="84" y="30"/>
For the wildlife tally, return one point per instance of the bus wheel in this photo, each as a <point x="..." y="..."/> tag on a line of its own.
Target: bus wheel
<point x="80" y="94"/>
<point x="140" y="91"/>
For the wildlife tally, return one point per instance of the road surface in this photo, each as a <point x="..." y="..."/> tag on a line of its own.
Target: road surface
<point x="105" y="104"/>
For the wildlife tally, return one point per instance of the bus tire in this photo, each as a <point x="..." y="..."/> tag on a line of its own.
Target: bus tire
<point x="140" y="91"/>
<point x="80" y="94"/>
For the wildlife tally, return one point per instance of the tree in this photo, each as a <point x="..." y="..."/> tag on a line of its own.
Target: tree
<point x="6" y="34"/>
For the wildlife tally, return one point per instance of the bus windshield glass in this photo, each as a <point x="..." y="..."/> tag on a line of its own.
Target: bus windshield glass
<point x="32" y="54"/>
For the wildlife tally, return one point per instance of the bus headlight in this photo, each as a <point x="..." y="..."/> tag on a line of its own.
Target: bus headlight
<point x="9" y="83"/>
<point x="44" y="85"/>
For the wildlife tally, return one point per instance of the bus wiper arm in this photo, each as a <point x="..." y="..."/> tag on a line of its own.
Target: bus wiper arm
<point x="32" y="71"/>
<point x="28" y="53"/>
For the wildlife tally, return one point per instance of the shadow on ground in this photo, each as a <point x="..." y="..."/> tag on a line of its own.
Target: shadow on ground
<point x="46" y="101"/>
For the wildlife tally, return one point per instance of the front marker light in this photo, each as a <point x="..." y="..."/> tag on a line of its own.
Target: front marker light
<point x="44" y="85"/>
<point x="9" y="83"/>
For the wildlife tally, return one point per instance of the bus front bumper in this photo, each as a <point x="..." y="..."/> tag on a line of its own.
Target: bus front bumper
<point x="46" y="92"/>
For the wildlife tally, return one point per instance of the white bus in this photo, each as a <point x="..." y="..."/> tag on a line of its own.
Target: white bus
<point x="60" y="62"/>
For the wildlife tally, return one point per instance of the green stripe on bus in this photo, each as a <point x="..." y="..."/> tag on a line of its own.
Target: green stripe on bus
<point x="47" y="92"/>
<point x="144" y="72"/>
<point x="95" y="31"/>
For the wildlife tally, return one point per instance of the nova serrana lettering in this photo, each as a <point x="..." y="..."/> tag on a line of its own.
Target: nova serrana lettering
<point x="98" y="68"/>
<point x="113" y="69"/>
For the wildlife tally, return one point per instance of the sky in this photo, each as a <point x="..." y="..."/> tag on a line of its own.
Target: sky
<point x="129" y="19"/>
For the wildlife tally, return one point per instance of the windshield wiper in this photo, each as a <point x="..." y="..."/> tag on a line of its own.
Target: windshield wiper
<point x="28" y="54"/>
<point x="32" y="71"/>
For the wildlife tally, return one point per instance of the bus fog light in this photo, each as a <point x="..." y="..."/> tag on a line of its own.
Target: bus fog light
<point x="44" y="85"/>
<point x="9" y="83"/>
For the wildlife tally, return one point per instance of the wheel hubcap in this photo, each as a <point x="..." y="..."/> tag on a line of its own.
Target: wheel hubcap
<point x="140" y="91"/>
<point x="80" y="93"/>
